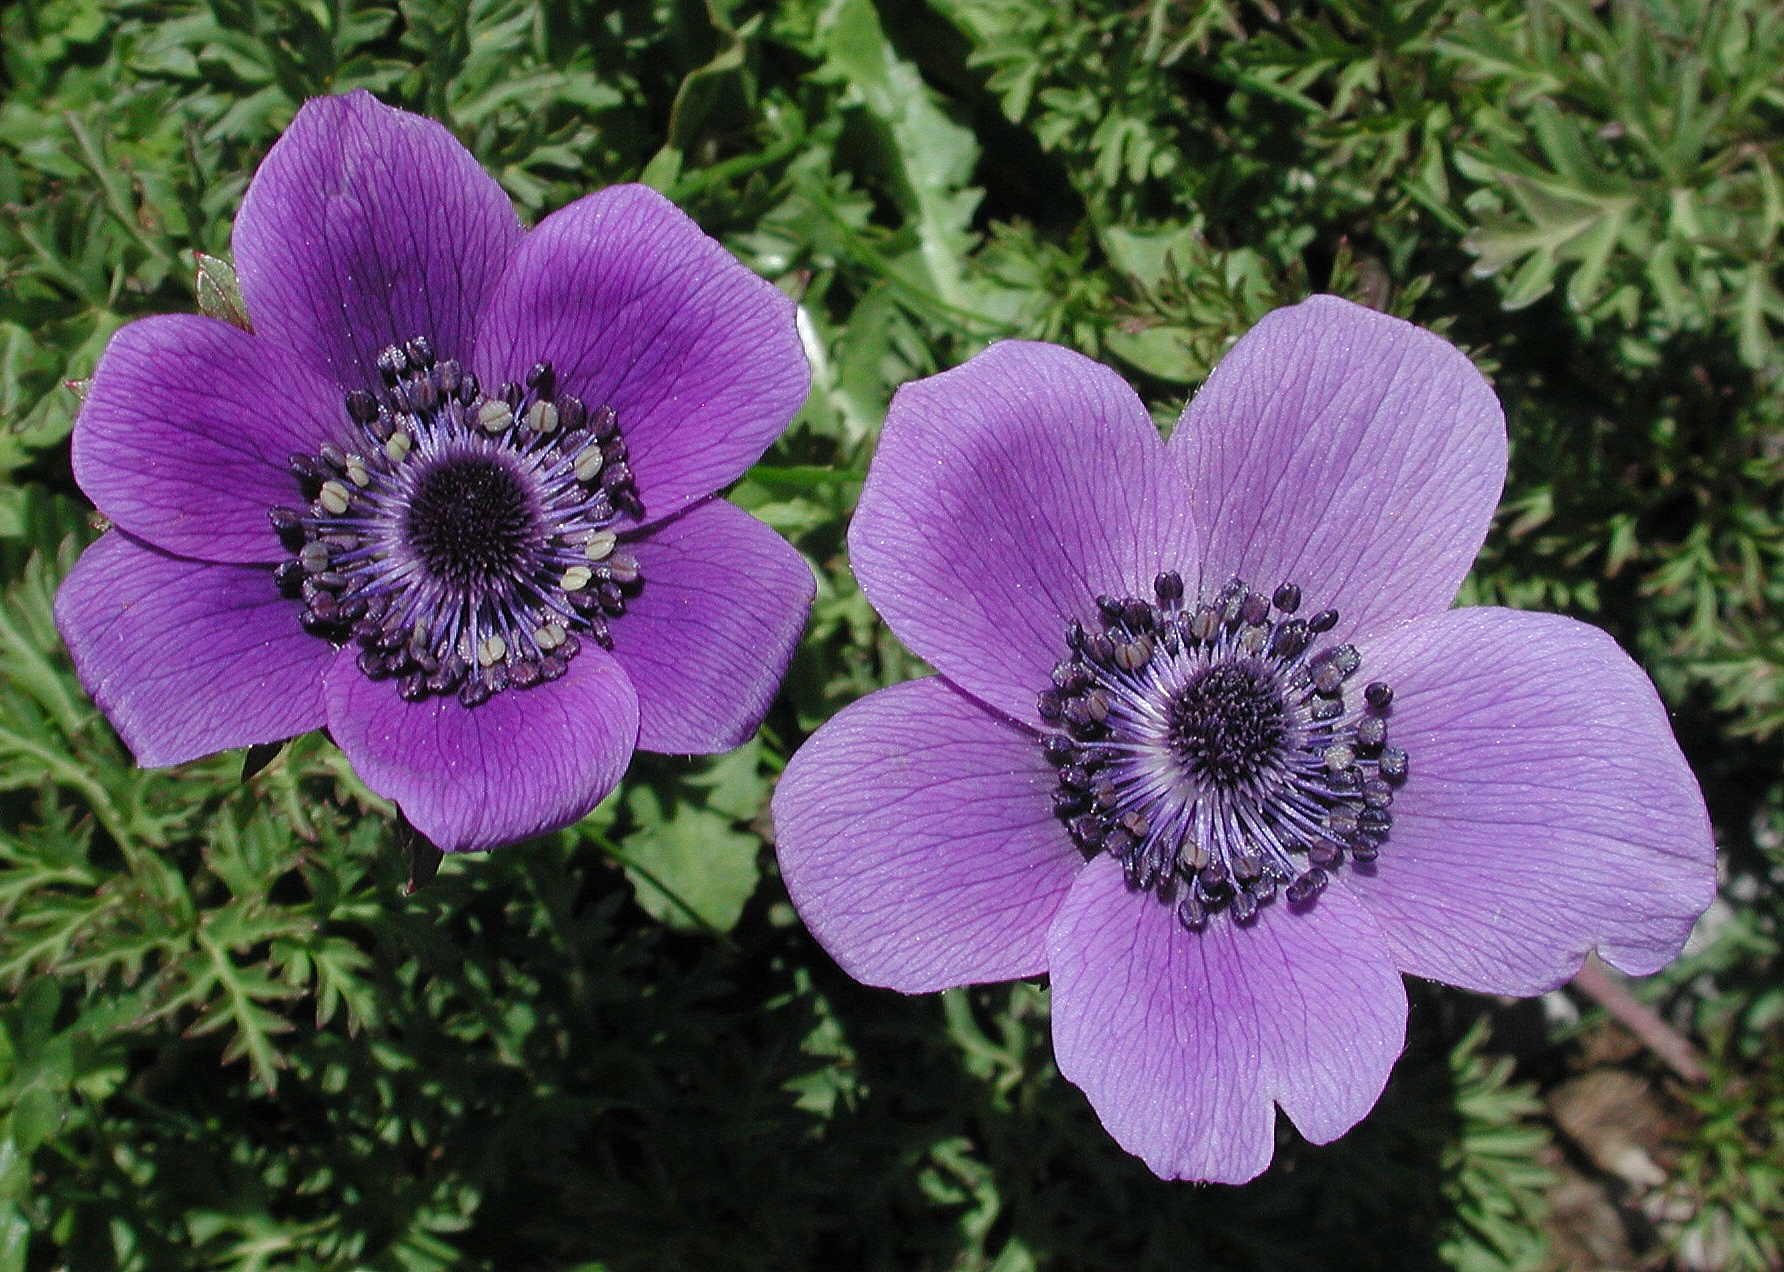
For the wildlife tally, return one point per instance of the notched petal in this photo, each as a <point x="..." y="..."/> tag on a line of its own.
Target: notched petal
<point x="1547" y="812"/>
<point x="525" y="762"/>
<point x="364" y="227"/>
<point x="1185" y="1041"/>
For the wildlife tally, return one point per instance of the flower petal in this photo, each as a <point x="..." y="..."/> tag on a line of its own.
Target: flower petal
<point x="1183" y="1040"/>
<point x="1548" y="810"/>
<point x="1006" y="494"/>
<point x="185" y="435"/>
<point x="367" y="226"/>
<point x="918" y="842"/>
<point x="707" y="641"/>
<point x="186" y="657"/>
<point x="637" y="309"/>
<point x="525" y="762"/>
<point x="1354" y="454"/>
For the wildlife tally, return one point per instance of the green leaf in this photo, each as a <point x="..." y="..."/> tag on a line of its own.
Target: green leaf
<point x="707" y="89"/>
<point x="931" y="156"/>
<point x="1173" y="354"/>
<point x="689" y="866"/>
<point x="36" y="1112"/>
<point x="1152" y="258"/>
<point x="15" y="1238"/>
<point x="220" y="292"/>
<point x="733" y="784"/>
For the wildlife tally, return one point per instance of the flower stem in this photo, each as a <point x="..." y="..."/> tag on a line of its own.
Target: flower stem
<point x="1639" y="1019"/>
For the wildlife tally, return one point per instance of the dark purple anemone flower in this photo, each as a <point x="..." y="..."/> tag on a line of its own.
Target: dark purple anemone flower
<point x="452" y="497"/>
<point x="1207" y="746"/>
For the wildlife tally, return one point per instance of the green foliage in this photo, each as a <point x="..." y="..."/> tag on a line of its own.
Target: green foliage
<point x="1496" y="1178"/>
<point x="232" y="1039"/>
<point x="1636" y="152"/>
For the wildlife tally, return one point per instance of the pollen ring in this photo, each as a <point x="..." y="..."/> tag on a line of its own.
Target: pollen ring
<point x="1212" y="750"/>
<point x="466" y="542"/>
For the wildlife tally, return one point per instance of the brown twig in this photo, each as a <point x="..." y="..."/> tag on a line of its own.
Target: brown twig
<point x="1639" y="1019"/>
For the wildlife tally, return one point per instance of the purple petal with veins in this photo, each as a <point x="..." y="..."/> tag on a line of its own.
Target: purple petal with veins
<point x="1221" y="676"/>
<point x="454" y="554"/>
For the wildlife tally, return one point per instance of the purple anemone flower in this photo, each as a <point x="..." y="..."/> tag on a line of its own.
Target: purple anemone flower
<point x="451" y="498"/>
<point x="1208" y="748"/>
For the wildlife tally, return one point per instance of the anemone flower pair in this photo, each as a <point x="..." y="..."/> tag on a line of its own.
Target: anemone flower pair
<point x="451" y="497"/>
<point x="1207" y="747"/>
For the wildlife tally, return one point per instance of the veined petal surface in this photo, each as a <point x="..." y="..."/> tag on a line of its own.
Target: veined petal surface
<point x="188" y="657"/>
<point x="637" y="308"/>
<point x="917" y="841"/>
<point x="706" y="642"/>
<point x="367" y="226"/>
<point x="186" y="433"/>
<point x="1348" y="452"/>
<point x="1007" y="494"/>
<point x="1547" y="812"/>
<point x="1185" y="1041"/>
<point x="526" y="762"/>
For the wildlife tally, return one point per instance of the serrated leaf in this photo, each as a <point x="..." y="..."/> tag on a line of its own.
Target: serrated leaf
<point x="1533" y="280"/>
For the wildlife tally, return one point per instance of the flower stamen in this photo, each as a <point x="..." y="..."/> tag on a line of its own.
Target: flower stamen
<point x="466" y="542"/>
<point x="1210" y="748"/>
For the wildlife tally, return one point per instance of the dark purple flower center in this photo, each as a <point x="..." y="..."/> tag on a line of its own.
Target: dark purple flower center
<point x="464" y="541"/>
<point x="1211" y="748"/>
<point x="471" y="521"/>
<point x="1229" y="722"/>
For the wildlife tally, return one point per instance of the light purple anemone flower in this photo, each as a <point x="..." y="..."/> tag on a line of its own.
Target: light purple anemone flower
<point x="451" y="498"/>
<point x="1207" y="746"/>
